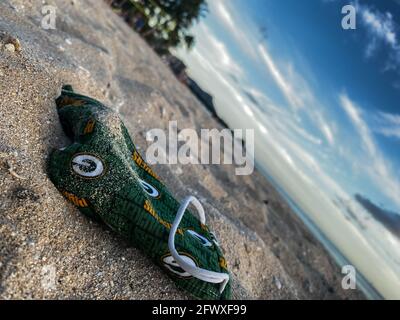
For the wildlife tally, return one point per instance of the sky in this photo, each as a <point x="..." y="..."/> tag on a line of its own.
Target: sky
<point x="323" y="102"/>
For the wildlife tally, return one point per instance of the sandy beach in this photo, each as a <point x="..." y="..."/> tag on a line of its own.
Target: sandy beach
<point x="48" y="250"/>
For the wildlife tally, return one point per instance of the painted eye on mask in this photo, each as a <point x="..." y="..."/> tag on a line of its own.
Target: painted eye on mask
<point x="87" y="165"/>
<point x="149" y="189"/>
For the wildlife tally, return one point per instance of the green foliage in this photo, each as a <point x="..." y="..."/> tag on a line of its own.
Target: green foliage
<point x="163" y="23"/>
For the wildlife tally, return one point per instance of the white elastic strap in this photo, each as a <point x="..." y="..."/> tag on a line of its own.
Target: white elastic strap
<point x="202" y="274"/>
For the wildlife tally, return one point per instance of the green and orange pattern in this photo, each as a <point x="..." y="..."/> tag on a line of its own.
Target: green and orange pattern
<point x="103" y="174"/>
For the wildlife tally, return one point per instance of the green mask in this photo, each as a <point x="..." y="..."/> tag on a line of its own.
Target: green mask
<point x="103" y="174"/>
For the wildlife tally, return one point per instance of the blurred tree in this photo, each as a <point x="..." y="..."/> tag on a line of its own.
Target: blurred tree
<point x="163" y="23"/>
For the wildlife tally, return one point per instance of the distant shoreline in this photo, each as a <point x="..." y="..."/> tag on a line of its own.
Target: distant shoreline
<point x="362" y="283"/>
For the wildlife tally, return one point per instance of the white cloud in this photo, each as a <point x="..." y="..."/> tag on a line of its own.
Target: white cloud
<point x="381" y="25"/>
<point x="228" y="19"/>
<point x="215" y="80"/>
<point x="215" y="51"/>
<point x="283" y="128"/>
<point x="376" y="165"/>
<point x="354" y="113"/>
<point x="305" y="134"/>
<point x="293" y="86"/>
<point x="297" y="92"/>
<point x="324" y="127"/>
<point x="393" y="119"/>
<point x="223" y="12"/>
<point x="285" y="85"/>
<point x="248" y="110"/>
<point x="389" y="125"/>
<point x="382" y="29"/>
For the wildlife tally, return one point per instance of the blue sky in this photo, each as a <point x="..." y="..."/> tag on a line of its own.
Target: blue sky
<point x="324" y="104"/>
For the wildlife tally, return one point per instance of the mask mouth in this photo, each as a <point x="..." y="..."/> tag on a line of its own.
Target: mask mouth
<point x="197" y="272"/>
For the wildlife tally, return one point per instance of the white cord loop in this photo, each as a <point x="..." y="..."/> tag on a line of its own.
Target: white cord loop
<point x="199" y="273"/>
